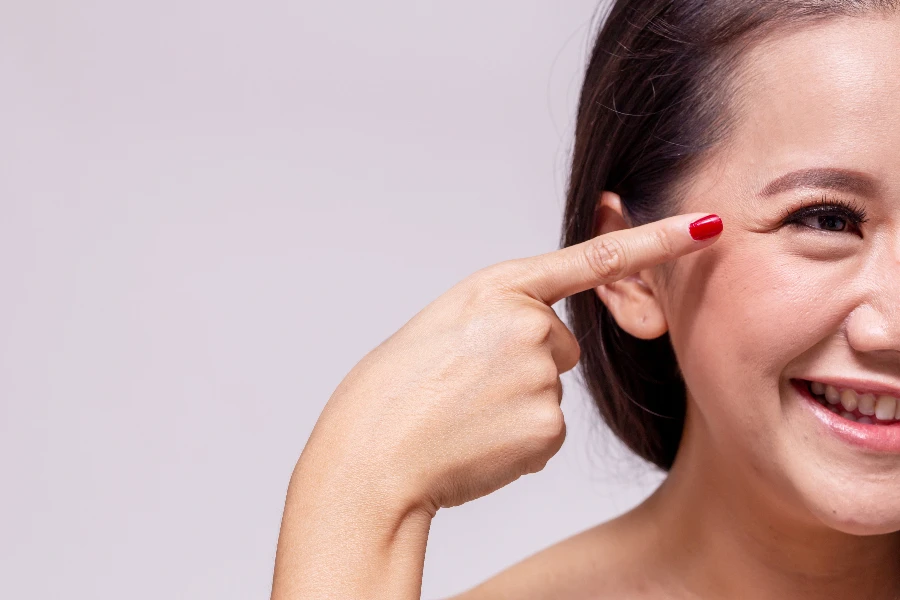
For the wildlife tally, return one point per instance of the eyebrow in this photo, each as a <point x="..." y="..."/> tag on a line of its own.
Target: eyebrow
<point x="824" y="178"/>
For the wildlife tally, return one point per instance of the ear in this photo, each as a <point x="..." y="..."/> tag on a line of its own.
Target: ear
<point x="632" y="302"/>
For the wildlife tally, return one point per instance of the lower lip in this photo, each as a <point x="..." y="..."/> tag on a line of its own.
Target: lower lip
<point x="878" y="438"/>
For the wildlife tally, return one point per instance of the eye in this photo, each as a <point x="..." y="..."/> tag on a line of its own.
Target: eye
<point x="828" y="215"/>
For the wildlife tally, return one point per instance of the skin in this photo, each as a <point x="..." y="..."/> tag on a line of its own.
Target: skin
<point x="461" y="401"/>
<point x="762" y="502"/>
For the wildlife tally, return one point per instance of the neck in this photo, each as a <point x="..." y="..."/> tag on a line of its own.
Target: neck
<point x="720" y="534"/>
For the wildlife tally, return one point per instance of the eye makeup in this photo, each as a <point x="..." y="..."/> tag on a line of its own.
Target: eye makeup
<point x="825" y="212"/>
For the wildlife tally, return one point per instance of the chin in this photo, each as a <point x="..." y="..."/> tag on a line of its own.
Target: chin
<point x="859" y="511"/>
<point x="809" y="489"/>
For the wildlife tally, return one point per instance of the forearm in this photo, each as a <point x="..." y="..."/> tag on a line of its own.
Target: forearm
<point x="348" y="537"/>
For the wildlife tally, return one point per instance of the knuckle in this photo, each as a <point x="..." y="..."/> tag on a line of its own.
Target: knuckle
<point x="496" y="275"/>
<point x="575" y="353"/>
<point x="478" y="291"/>
<point x="546" y="375"/>
<point x="537" y="465"/>
<point x="480" y="279"/>
<point x="535" y="328"/>
<point x="664" y="242"/>
<point x="550" y="423"/>
<point x="483" y="285"/>
<point x="550" y="433"/>
<point x="606" y="258"/>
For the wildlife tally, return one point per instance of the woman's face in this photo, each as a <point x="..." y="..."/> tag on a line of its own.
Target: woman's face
<point x="770" y="306"/>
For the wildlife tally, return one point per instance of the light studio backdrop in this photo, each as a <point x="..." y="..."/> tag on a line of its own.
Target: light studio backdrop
<point x="210" y="212"/>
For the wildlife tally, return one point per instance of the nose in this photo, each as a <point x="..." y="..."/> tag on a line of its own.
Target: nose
<point x="870" y="329"/>
<point x="874" y="325"/>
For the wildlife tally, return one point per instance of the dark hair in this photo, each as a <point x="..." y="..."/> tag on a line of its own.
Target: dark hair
<point x="659" y="93"/>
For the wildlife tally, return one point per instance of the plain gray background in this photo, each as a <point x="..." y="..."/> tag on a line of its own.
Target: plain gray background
<point x="210" y="212"/>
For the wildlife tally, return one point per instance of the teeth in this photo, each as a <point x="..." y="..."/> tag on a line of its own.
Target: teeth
<point x="885" y="408"/>
<point x="866" y="404"/>
<point x="881" y="408"/>
<point x="848" y="398"/>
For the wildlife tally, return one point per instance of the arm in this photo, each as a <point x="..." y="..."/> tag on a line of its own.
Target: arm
<point x="461" y="401"/>
<point x="348" y="536"/>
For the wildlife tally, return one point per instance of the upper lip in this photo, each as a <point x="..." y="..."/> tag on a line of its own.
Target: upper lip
<point x="863" y="386"/>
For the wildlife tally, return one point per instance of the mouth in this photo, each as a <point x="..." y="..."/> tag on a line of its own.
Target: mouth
<point x="853" y="405"/>
<point x="863" y="419"/>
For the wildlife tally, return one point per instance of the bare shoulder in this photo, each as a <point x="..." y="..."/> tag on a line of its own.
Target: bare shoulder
<point x="588" y="565"/>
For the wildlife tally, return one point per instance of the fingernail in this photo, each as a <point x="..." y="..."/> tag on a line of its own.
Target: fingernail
<point x="705" y="228"/>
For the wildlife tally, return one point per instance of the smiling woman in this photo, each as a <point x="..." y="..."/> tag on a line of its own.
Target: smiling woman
<point x="778" y="406"/>
<point x="762" y="372"/>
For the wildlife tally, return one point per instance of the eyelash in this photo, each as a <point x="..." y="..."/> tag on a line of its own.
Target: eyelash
<point x="852" y="212"/>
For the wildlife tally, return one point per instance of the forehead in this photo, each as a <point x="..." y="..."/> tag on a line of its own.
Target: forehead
<point x="824" y="95"/>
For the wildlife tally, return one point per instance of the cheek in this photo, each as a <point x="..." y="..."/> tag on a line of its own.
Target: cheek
<point x="739" y="313"/>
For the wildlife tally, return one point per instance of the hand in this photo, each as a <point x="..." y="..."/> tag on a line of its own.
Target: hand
<point x="465" y="397"/>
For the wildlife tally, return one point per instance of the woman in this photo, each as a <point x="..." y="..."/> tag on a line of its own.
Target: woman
<point x="760" y="367"/>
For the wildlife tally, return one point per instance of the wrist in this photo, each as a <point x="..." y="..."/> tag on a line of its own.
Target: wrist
<point x="361" y="487"/>
<point x="365" y="478"/>
<point x="349" y="537"/>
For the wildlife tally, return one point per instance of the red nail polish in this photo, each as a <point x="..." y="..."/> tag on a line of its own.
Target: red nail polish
<point x="705" y="228"/>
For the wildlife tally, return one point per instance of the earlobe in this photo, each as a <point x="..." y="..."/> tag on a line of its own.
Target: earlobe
<point x="631" y="301"/>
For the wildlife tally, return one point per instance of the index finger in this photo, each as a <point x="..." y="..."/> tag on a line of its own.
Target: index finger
<point x="612" y="256"/>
